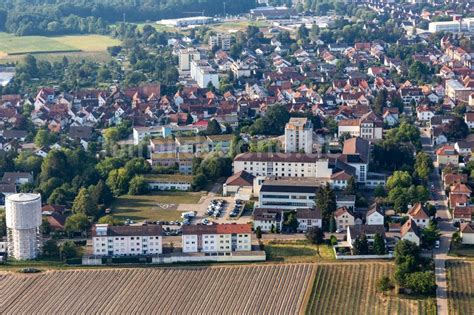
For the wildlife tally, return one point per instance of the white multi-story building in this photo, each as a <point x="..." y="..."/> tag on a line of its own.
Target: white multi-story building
<point x="283" y="165"/>
<point x="216" y="238"/>
<point x="220" y="40"/>
<point x="270" y="218"/>
<point x="186" y="56"/>
<point x="129" y="240"/>
<point x="203" y="74"/>
<point x="299" y="135"/>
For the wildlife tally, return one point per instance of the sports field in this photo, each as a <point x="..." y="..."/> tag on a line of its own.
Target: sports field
<point x="15" y="47"/>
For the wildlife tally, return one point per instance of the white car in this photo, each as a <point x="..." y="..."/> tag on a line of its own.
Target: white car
<point x="437" y="244"/>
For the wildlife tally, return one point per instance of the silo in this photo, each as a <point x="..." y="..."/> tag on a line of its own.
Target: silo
<point x="23" y="219"/>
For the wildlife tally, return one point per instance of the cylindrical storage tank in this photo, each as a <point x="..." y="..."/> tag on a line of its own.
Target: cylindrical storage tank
<point x="23" y="220"/>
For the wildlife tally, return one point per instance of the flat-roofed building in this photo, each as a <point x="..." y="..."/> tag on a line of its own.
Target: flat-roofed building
<point x="299" y="135"/>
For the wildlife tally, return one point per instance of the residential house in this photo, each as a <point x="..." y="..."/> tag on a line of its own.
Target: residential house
<point x="469" y="119"/>
<point x="344" y="218"/>
<point x="447" y="154"/>
<point x="267" y="219"/>
<point x="369" y="126"/>
<point x="467" y="233"/>
<point x="419" y="215"/>
<point x="411" y="232"/>
<point x="129" y="240"/>
<point x="374" y="215"/>
<point x="216" y="238"/>
<point x="463" y="214"/>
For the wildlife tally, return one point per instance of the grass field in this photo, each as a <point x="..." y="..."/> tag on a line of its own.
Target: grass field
<point x="263" y="289"/>
<point x="14" y="47"/>
<point x="464" y="251"/>
<point x="349" y="288"/>
<point x="460" y="287"/>
<point x="155" y="206"/>
<point x="293" y="252"/>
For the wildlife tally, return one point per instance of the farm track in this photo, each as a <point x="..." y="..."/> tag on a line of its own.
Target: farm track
<point x="251" y="289"/>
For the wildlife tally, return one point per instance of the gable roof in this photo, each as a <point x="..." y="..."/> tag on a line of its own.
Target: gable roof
<point x="410" y="226"/>
<point x="417" y="212"/>
<point x="241" y="178"/>
<point x="467" y="228"/>
<point x="342" y="210"/>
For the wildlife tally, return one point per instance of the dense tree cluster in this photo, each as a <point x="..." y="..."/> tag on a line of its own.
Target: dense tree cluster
<point x="45" y="17"/>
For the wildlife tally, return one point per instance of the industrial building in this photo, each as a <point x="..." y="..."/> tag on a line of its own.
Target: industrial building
<point x="189" y="21"/>
<point x="457" y="26"/>
<point x="23" y="220"/>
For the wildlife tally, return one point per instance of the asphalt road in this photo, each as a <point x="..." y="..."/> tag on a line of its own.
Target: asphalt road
<point x="447" y="229"/>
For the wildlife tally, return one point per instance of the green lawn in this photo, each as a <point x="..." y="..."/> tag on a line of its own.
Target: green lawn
<point x="13" y="48"/>
<point x="155" y="206"/>
<point x="297" y="252"/>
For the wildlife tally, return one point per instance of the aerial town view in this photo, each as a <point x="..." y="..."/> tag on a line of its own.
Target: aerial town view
<point x="237" y="157"/>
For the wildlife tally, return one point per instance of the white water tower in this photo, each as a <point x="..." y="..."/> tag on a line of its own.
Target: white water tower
<point x="23" y="218"/>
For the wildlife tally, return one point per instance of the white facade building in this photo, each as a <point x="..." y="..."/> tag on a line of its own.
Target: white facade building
<point x="217" y="238"/>
<point x="186" y="56"/>
<point x="23" y="220"/>
<point x="283" y="165"/>
<point x="464" y="25"/>
<point x="203" y="74"/>
<point x="299" y="135"/>
<point x="129" y="240"/>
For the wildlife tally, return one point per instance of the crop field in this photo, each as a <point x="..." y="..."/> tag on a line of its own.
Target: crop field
<point x="350" y="288"/>
<point x="263" y="289"/>
<point x="154" y="206"/>
<point x="460" y="276"/>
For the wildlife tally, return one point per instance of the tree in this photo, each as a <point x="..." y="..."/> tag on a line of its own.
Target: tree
<point x="68" y="250"/>
<point x="361" y="245"/>
<point x="405" y="249"/>
<point x="76" y="223"/>
<point x="199" y="182"/>
<point x="55" y="165"/>
<point x="384" y="285"/>
<point x="423" y="165"/>
<point x="379" y="191"/>
<point x="109" y="219"/>
<point x="351" y="188"/>
<point x="421" y="282"/>
<point x="429" y="235"/>
<point x="83" y="203"/>
<point x="258" y="232"/>
<point x="315" y="235"/>
<point x="379" y="245"/>
<point x="399" y="179"/>
<point x="44" y="137"/>
<point x="213" y="128"/>
<point x="326" y="202"/>
<point x="291" y="222"/>
<point x="332" y="225"/>
<point x="45" y="226"/>
<point x="456" y="129"/>
<point x="380" y="101"/>
<point x="333" y="240"/>
<point x="51" y="249"/>
<point x="138" y="186"/>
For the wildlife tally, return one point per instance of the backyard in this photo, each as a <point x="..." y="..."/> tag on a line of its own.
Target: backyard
<point x="152" y="207"/>
<point x="297" y="251"/>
